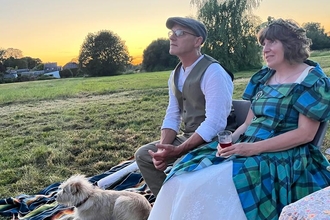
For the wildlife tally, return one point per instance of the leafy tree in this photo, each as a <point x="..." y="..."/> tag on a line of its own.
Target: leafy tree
<point x="13" y="58"/>
<point x="320" y="40"/>
<point x="15" y="53"/>
<point x="2" y="67"/>
<point x="40" y="66"/>
<point x="270" y="19"/>
<point x="68" y="73"/>
<point x="15" y="63"/>
<point x="2" y="54"/>
<point x="231" y="32"/>
<point x="32" y="62"/>
<point x="249" y="4"/>
<point x="103" y="54"/>
<point x="74" y="60"/>
<point x="156" y="56"/>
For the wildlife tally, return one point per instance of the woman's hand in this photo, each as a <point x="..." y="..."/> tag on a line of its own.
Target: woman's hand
<point x="241" y="149"/>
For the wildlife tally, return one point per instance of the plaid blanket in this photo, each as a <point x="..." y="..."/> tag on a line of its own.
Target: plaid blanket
<point x="43" y="205"/>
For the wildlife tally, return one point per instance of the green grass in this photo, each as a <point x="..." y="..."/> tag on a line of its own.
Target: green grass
<point x="79" y="87"/>
<point x="323" y="58"/>
<point x="53" y="129"/>
<point x="320" y="53"/>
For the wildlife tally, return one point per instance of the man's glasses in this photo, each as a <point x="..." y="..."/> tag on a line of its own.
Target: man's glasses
<point x="179" y="33"/>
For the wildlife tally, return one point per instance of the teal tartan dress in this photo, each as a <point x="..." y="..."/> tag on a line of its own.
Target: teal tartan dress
<point x="267" y="182"/>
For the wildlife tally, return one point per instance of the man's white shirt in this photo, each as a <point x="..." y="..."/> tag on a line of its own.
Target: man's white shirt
<point x="217" y="87"/>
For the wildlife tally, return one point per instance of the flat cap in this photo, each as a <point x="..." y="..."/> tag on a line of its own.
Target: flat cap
<point x="196" y="26"/>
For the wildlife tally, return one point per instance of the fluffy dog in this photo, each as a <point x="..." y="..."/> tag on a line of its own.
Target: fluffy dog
<point x="93" y="203"/>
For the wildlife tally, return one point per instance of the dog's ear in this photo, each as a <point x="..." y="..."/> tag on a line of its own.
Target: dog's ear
<point x="75" y="187"/>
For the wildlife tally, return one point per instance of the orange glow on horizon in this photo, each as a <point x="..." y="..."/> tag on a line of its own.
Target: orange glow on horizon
<point x="135" y="50"/>
<point x="53" y="32"/>
<point x="137" y="60"/>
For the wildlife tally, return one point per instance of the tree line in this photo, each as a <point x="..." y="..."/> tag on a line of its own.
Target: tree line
<point x="12" y="58"/>
<point x="231" y="40"/>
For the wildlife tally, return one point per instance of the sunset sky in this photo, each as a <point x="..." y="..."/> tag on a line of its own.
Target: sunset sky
<point x="54" y="30"/>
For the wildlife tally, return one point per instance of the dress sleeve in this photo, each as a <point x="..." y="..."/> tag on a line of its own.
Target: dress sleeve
<point x="253" y="85"/>
<point x="314" y="101"/>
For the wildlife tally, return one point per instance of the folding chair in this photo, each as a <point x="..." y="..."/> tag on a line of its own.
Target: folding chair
<point x="241" y="109"/>
<point x="320" y="134"/>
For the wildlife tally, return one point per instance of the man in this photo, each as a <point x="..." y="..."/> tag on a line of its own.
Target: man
<point x="200" y="98"/>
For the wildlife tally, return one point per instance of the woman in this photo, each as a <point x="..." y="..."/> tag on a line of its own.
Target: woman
<point x="273" y="162"/>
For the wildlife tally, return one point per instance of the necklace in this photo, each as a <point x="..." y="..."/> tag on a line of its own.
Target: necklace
<point x="282" y="81"/>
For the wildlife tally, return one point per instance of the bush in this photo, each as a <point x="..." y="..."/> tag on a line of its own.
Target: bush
<point x="69" y="73"/>
<point x="24" y="78"/>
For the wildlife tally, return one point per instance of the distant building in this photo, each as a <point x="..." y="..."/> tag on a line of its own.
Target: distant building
<point x="70" y="65"/>
<point x="18" y="71"/>
<point x="22" y="70"/>
<point x="51" y="67"/>
<point x="32" y="73"/>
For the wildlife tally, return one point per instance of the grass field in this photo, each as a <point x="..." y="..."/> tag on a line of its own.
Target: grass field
<point x="53" y="129"/>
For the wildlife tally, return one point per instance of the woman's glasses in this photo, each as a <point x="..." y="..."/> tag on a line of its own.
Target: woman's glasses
<point x="179" y="33"/>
